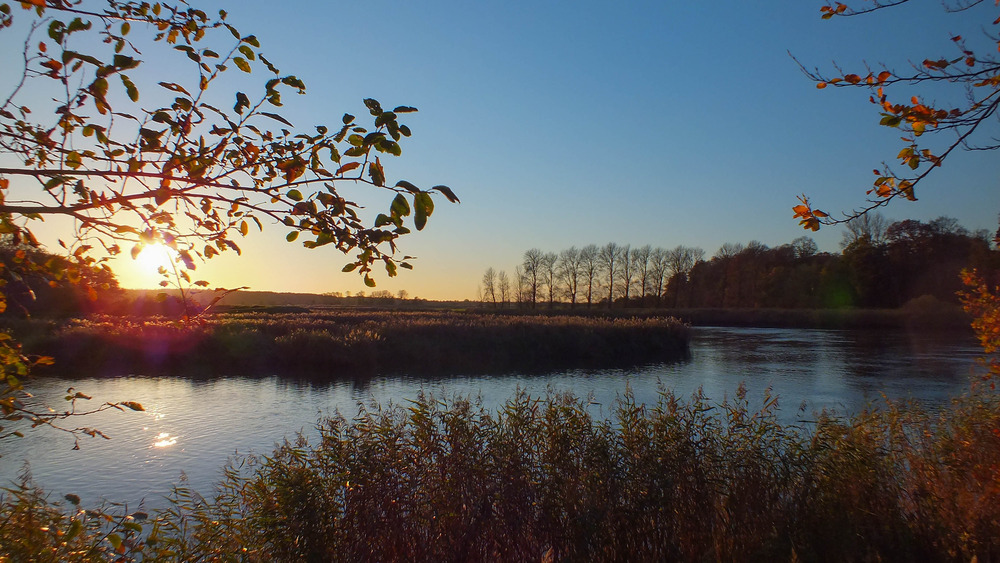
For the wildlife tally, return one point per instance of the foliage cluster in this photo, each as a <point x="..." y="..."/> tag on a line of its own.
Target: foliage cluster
<point x="179" y="168"/>
<point x="883" y="265"/>
<point x="354" y="344"/>
<point x="945" y="102"/>
<point x="546" y="479"/>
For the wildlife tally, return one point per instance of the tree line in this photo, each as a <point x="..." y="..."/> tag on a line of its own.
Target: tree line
<point x="882" y="264"/>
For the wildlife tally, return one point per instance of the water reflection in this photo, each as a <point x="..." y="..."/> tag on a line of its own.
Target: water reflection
<point x="194" y="426"/>
<point x="164" y="440"/>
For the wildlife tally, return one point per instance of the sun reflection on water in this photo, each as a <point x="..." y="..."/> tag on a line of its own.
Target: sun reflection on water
<point x="164" y="440"/>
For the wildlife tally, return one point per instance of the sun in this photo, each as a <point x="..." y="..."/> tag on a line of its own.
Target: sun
<point x="153" y="257"/>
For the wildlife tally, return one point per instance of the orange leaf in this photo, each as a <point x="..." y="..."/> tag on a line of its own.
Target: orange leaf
<point x="821" y="85"/>
<point x="884" y="75"/>
<point x="348" y="167"/>
<point x="852" y="78"/>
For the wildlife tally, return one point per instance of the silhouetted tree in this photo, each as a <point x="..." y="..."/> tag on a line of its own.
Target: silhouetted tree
<point x="609" y="257"/>
<point x="549" y="260"/>
<point x="503" y="285"/>
<point x="627" y="268"/>
<point x="490" y="286"/>
<point x="569" y="273"/>
<point x="658" y="269"/>
<point x="590" y="269"/>
<point x="531" y="266"/>
<point x="641" y="260"/>
<point x="870" y="226"/>
<point x="804" y="247"/>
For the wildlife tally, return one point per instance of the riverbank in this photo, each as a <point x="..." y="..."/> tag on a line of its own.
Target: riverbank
<point x="542" y="479"/>
<point x="922" y="315"/>
<point x="330" y="343"/>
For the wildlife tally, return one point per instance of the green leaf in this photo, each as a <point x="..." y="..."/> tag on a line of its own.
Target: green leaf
<point x="242" y="102"/>
<point x="446" y="191"/>
<point x="400" y="206"/>
<point x="74" y="529"/>
<point x="419" y="217"/>
<point x="124" y="62"/>
<point x="290" y="237"/>
<point x="891" y="121"/>
<point x="369" y="282"/>
<point x="247" y="52"/>
<point x="350" y="267"/>
<point x="407" y="186"/>
<point x="276" y="117"/>
<point x="405" y="109"/>
<point x="294" y="195"/>
<point x="130" y="89"/>
<point x="175" y="87"/>
<point x="242" y="64"/>
<point x="373" y="106"/>
<point x="384" y="118"/>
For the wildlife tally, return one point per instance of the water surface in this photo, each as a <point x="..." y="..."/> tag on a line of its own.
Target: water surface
<point x="191" y="427"/>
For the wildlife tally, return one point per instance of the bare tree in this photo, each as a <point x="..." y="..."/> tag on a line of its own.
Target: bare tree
<point x="870" y="227"/>
<point x="804" y="247"/>
<point x="490" y="286"/>
<point x="590" y="268"/>
<point x="503" y="285"/>
<point x="609" y="257"/>
<point x="728" y="250"/>
<point x="521" y="286"/>
<point x="549" y="260"/>
<point x="532" y="268"/>
<point x="641" y="263"/>
<point x="681" y="259"/>
<point x="627" y="273"/>
<point x="754" y="248"/>
<point x="569" y="273"/>
<point x="658" y="272"/>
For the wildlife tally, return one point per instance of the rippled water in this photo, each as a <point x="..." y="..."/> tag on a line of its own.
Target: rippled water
<point x="191" y="427"/>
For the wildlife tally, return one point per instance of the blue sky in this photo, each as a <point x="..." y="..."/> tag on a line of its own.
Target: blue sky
<point x="563" y="124"/>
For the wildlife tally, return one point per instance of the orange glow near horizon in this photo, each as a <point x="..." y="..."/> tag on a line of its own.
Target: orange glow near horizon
<point x="145" y="270"/>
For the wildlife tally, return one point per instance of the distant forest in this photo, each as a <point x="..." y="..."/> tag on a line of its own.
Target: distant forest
<point x="882" y="265"/>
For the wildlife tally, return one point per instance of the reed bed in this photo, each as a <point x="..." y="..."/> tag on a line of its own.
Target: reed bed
<point x="338" y="344"/>
<point x="543" y="479"/>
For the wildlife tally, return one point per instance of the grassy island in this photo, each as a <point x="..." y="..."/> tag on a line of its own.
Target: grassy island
<point x="354" y="343"/>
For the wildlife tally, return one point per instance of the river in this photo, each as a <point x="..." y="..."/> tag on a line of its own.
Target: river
<point x="192" y="426"/>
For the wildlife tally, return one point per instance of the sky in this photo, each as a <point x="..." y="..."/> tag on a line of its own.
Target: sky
<point x="564" y="124"/>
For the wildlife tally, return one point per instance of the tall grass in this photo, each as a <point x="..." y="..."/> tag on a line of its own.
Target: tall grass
<point x="337" y="344"/>
<point x="546" y="479"/>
